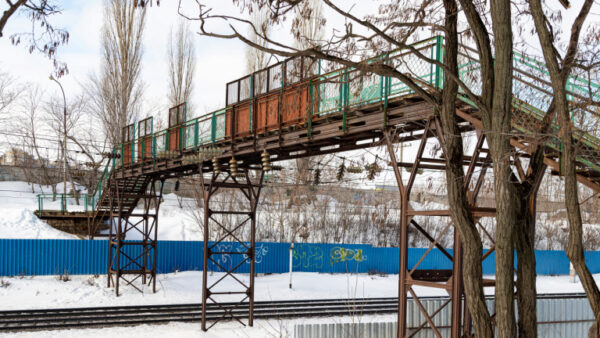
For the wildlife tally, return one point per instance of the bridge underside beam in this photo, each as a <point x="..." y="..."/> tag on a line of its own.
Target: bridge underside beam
<point x="232" y="228"/>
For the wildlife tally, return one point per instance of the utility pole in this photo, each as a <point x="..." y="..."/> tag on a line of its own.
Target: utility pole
<point x="64" y="138"/>
<point x="402" y="146"/>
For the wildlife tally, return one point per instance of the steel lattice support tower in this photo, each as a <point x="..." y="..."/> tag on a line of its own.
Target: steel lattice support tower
<point x="130" y="260"/>
<point x="451" y="280"/>
<point x="242" y="241"/>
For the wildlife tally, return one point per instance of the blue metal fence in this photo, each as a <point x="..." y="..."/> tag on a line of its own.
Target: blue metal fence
<point x="55" y="256"/>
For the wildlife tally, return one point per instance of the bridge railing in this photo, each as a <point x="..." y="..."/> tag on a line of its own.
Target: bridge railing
<point x="259" y="101"/>
<point x="92" y="199"/>
<point x="49" y="203"/>
<point x="533" y="96"/>
<point x="81" y="202"/>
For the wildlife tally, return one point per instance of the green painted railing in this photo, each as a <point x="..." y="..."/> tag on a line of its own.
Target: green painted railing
<point x="63" y="203"/>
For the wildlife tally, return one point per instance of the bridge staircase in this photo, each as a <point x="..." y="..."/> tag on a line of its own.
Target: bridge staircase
<point x="122" y="196"/>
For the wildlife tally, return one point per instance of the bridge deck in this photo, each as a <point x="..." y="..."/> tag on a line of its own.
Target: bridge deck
<point x="364" y="128"/>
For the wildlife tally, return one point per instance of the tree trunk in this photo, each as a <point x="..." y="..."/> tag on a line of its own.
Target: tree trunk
<point x="457" y="198"/>
<point x="575" y="246"/>
<point x="559" y="78"/>
<point x="526" y="274"/>
<point x="506" y="218"/>
<point x="505" y="192"/>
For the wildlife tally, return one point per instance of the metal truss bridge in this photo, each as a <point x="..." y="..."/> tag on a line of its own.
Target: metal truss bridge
<point x="291" y="110"/>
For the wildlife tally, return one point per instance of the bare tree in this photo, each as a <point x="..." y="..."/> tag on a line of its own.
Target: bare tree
<point x="256" y="58"/>
<point x="9" y="92"/>
<point x="30" y="127"/>
<point x="44" y="37"/>
<point x="75" y="111"/>
<point x="84" y="137"/>
<point x="182" y="65"/>
<point x="310" y="20"/>
<point x="115" y="94"/>
<point x="560" y="67"/>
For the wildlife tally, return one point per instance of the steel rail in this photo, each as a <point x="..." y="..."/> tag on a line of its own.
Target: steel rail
<point x="63" y="318"/>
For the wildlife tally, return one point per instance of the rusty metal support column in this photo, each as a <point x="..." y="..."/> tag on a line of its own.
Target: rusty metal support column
<point x="124" y="258"/>
<point x="205" y="199"/>
<point x="403" y="241"/>
<point x="403" y="266"/>
<point x="449" y="280"/>
<point x="230" y="244"/>
<point x="110" y="235"/>
<point x="118" y="238"/>
<point x="253" y="199"/>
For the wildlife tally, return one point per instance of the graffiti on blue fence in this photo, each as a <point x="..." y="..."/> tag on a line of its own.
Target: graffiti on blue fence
<point x="307" y="257"/>
<point x="227" y="260"/>
<point x="260" y="251"/>
<point x="222" y="260"/>
<point x="17" y="256"/>
<point x="340" y="254"/>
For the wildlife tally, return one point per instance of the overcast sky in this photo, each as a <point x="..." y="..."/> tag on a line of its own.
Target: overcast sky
<point x="218" y="61"/>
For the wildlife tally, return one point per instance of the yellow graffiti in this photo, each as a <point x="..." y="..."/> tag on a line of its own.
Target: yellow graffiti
<point x="339" y="254"/>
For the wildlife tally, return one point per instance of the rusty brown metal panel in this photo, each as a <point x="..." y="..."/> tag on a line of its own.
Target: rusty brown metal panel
<point x="267" y="107"/>
<point x="127" y="153"/>
<point x="294" y="104"/>
<point x="173" y="138"/>
<point x="242" y="118"/>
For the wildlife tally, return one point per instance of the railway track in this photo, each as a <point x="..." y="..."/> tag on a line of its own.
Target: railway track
<point x="65" y="318"/>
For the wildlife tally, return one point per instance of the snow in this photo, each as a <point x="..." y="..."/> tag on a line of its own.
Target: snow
<point x="17" y="219"/>
<point x="186" y="287"/>
<point x="175" y="223"/>
<point x="261" y="329"/>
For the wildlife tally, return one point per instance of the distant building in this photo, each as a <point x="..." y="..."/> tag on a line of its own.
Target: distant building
<point x="17" y="157"/>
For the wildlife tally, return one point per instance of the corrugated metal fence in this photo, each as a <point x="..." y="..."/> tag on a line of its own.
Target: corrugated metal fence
<point x="54" y="256"/>
<point x="568" y="317"/>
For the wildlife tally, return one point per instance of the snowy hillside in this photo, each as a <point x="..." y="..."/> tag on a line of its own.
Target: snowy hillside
<point x="18" y="201"/>
<point x="17" y="220"/>
<point x="330" y="214"/>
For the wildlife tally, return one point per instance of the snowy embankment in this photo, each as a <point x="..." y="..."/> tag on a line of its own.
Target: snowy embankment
<point x="17" y="219"/>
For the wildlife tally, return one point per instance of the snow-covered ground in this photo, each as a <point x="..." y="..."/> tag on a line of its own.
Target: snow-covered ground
<point x="282" y="328"/>
<point x="186" y="287"/>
